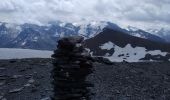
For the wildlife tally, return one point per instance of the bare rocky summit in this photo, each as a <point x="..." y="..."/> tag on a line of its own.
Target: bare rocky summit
<point x="30" y="79"/>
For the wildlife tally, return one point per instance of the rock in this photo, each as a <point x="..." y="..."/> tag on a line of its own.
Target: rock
<point x="1" y="68"/>
<point x="22" y="70"/>
<point x="46" y="98"/>
<point x="31" y="81"/>
<point x="72" y="64"/>
<point x="103" y="60"/>
<point x="117" y="91"/>
<point x="4" y="99"/>
<point x="33" y="89"/>
<point x="16" y="90"/>
<point x="2" y="83"/>
<point x="1" y="97"/>
<point x="27" y="85"/>
<point x="16" y="76"/>
<point x="29" y="76"/>
<point x="69" y="43"/>
<point x="12" y="61"/>
<point x="3" y="77"/>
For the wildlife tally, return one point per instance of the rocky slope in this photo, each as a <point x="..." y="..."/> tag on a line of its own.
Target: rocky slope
<point x="119" y="46"/>
<point x="26" y="79"/>
<point x="29" y="79"/>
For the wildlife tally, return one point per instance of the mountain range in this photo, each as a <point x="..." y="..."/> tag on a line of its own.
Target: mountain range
<point x="44" y="37"/>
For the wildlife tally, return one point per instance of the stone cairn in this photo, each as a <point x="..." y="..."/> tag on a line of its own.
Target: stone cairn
<point x="72" y="63"/>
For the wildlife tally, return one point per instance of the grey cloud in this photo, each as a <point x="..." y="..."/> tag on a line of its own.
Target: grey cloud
<point x="119" y="11"/>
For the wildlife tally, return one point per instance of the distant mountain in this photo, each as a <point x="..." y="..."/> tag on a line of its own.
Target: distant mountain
<point x="31" y="36"/>
<point x="162" y="33"/>
<point x="118" y="46"/>
<point x="43" y="37"/>
<point x="143" y="34"/>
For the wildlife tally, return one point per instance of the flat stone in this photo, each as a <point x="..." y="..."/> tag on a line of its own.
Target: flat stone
<point x="4" y="99"/>
<point x="31" y="80"/>
<point x="12" y="61"/>
<point x="27" y="85"/>
<point x="16" y="90"/>
<point x="2" y="83"/>
<point x="1" y="68"/>
<point x="16" y="76"/>
<point x="1" y="97"/>
<point x="117" y="91"/>
<point x="22" y="70"/>
<point x="2" y="78"/>
<point x="28" y="76"/>
<point x="34" y="89"/>
<point x="46" y="98"/>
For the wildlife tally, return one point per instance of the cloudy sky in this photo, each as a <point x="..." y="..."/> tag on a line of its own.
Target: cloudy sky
<point x="138" y="13"/>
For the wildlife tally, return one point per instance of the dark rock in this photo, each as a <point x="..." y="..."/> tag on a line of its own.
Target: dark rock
<point x="12" y="61"/>
<point x="16" y="90"/>
<point x="69" y="43"/>
<point x="33" y="89"/>
<point x="102" y="60"/>
<point x="72" y="63"/>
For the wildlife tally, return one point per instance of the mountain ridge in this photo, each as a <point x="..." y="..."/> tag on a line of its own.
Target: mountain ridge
<point x="32" y="36"/>
<point x="111" y="42"/>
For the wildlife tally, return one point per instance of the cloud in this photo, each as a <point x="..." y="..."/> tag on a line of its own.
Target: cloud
<point x="130" y="12"/>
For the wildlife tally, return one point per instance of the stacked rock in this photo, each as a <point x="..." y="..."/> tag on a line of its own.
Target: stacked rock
<point x="72" y="64"/>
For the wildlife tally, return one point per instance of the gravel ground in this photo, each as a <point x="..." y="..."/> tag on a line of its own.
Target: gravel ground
<point x="131" y="81"/>
<point x="26" y="79"/>
<point x="29" y="79"/>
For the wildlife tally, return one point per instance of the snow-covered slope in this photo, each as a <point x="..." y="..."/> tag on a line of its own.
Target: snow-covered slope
<point x="31" y="36"/>
<point x="8" y="53"/>
<point x="119" y="46"/>
<point x="128" y="53"/>
<point x="143" y="34"/>
<point x="163" y="33"/>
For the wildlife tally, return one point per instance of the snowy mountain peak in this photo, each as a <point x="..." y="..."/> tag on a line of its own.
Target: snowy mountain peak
<point x="34" y="36"/>
<point x="162" y="33"/>
<point x="131" y="28"/>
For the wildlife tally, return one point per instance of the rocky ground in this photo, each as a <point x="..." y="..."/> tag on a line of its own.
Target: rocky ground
<point x="131" y="81"/>
<point x="29" y="79"/>
<point x="26" y="79"/>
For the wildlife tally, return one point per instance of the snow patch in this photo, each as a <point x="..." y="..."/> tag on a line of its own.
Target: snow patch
<point x="10" y="25"/>
<point x="95" y="27"/>
<point x="56" y="34"/>
<point x="75" y="24"/>
<point x="87" y="49"/>
<point x="131" y="28"/>
<point x="137" y="35"/>
<point x="62" y="34"/>
<point x="62" y="24"/>
<point x="23" y="43"/>
<point x="19" y="28"/>
<point x="8" y="53"/>
<point x="35" y="38"/>
<point x="107" y="46"/>
<point x="128" y="53"/>
<point x="82" y="30"/>
<point x="157" y="52"/>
